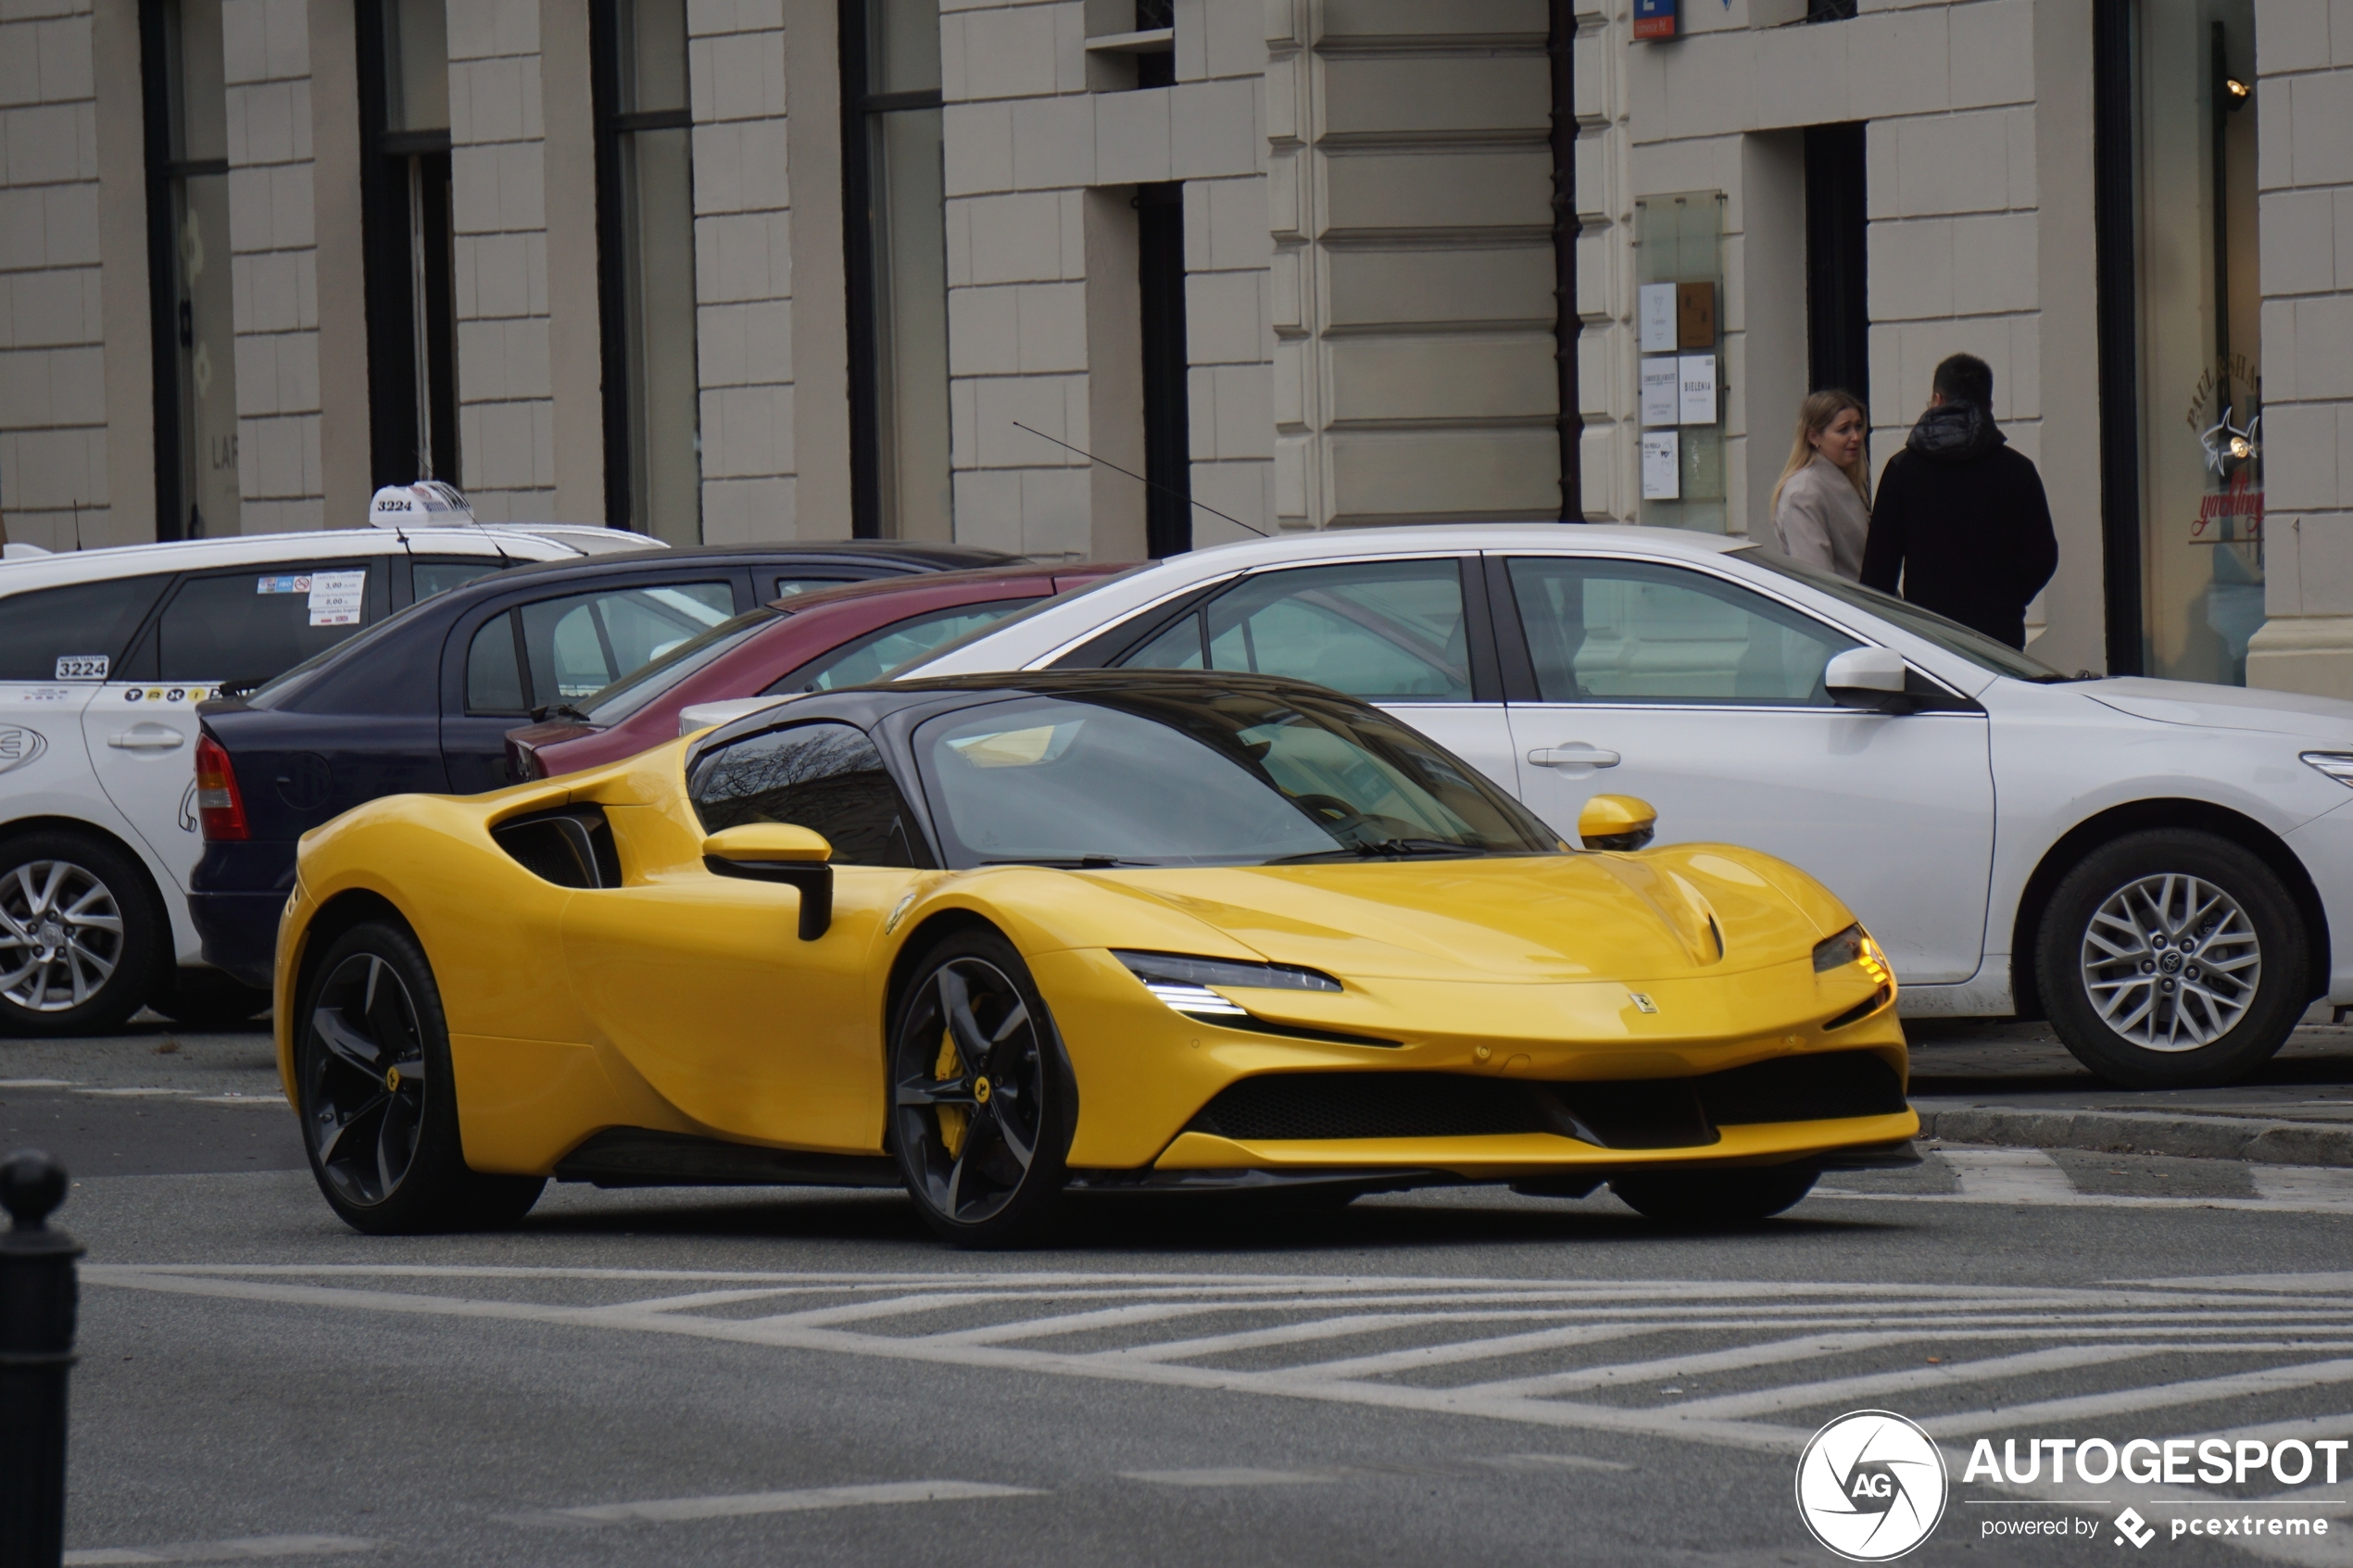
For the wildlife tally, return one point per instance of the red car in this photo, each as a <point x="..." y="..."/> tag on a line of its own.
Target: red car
<point x="813" y="642"/>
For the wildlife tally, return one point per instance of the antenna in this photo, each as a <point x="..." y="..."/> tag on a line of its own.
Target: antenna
<point x="1140" y="478"/>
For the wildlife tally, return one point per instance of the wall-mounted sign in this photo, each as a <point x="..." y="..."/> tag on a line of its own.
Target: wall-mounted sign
<point x="1696" y="389"/>
<point x="1655" y="18"/>
<point x="1658" y="318"/>
<point x="1662" y="466"/>
<point x="1661" y="375"/>
<point x="1696" y="315"/>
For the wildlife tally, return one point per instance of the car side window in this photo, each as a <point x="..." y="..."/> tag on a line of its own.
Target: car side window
<point x="252" y="624"/>
<point x="1382" y="631"/>
<point x="828" y="778"/>
<point x="1612" y="630"/>
<point x="789" y="584"/>
<point x="583" y="643"/>
<point x="438" y="574"/>
<point x="74" y="632"/>
<point x="878" y="653"/>
<point x="494" y="681"/>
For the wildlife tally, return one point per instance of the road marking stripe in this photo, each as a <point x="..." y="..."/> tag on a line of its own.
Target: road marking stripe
<point x="698" y="1299"/>
<point x="674" y="1510"/>
<point x="2306" y="1188"/>
<point x="1236" y="1476"/>
<point x="1073" y="1322"/>
<point x="2019" y="1176"/>
<point x="38" y="1083"/>
<point x="136" y="1094"/>
<point x="1871" y="1386"/>
<point x="2123" y="1402"/>
<point x="1469" y="1350"/>
<point x="225" y="1552"/>
<point x="1315" y="1328"/>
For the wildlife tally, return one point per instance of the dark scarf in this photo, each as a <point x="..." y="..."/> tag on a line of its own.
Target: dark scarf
<point x="1955" y="433"/>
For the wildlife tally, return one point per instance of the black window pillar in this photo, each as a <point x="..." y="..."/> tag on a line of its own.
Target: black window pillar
<point x="2115" y="273"/>
<point x="1838" y="315"/>
<point x="1168" y="442"/>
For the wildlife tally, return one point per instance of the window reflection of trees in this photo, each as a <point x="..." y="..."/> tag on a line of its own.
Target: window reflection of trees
<point x="828" y="778"/>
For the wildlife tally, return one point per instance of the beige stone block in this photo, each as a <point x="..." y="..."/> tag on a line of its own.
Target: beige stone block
<point x="43" y="143"/>
<point x="2290" y="35"/>
<point x="1497" y="283"/>
<point x="1434" y="377"/>
<point x="1054" y="404"/>
<point x="1213" y="130"/>
<point x="65" y="53"/>
<point x="1132" y="136"/>
<point x="2344" y="242"/>
<point x="1233" y="38"/>
<point x="1598" y="393"/>
<point x="1014" y="238"/>
<point x="1953" y="163"/>
<point x="2324" y="347"/>
<point x="1438" y="189"/>
<point x="47" y="309"/>
<point x="1008" y="52"/>
<point x="2273" y="165"/>
<point x="67" y="227"/>
<point x="1898" y="63"/>
<point x="2321" y="119"/>
<point x="2280" y="382"/>
<point x="245" y="53"/>
<point x="1993" y="263"/>
<point x="1800" y="77"/>
<point x="1226" y="318"/>
<point x="2022" y="398"/>
<point x="749" y="511"/>
<point x="1992" y="44"/>
<point x="1234" y="218"/>
<point x="1055" y="504"/>
<point x="1911" y="270"/>
<point x="984" y="331"/>
<point x="1883" y="195"/>
<point x="746" y="430"/>
<point x="2308" y="654"/>
<point x="740" y="167"/>
<point x="739" y="344"/>
<point x="738" y="77"/>
<point x="20" y="65"/>
<point x="1244" y="423"/>
<point x="1051" y="142"/>
<point x="1373" y="96"/>
<point x="1711" y="90"/>
<point x="1461" y="21"/>
<point x="286" y="26"/>
<point x="2025" y="175"/>
<point x="1242" y="488"/>
<point x="1052" y="332"/>
<point x="2298" y="242"/>
<point x="988" y="508"/>
<point x="1440" y="475"/>
<point x="743" y="256"/>
<point x="2300" y="457"/>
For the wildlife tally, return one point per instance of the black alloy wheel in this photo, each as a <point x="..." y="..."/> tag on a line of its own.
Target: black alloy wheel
<point x="981" y="1102"/>
<point x="1703" y="1199"/>
<point x="82" y="937"/>
<point x="2173" y="960"/>
<point x="379" y="1108"/>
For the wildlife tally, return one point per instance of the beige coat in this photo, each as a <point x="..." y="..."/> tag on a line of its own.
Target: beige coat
<point x="1821" y="521"/>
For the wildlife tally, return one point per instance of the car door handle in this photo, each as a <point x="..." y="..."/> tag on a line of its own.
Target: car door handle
<point x="148" y="737"/>
<point x="1577" y="754"/>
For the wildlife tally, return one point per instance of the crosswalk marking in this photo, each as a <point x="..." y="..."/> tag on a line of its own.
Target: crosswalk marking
<point x="2032" y="1176"/>
<point x="2312" y="1188"/>
<point x="2009" y="1176"/>
<point x="246" y="1550"/>
<point x="1867" y="1387"/>
<point x="742" y="1505"/>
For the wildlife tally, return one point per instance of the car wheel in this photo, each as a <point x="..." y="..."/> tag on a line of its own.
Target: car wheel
<point x="379" y="1107"/>
<point x="1713" y="1197"/>
<point x="983" y="1107"/>
<point x="207" y="999"/>
<point x="81" y="935"/>
<point x="2173" y="959"/>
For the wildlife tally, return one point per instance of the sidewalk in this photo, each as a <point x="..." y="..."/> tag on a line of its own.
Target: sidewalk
<point x="2013" y="1084"/>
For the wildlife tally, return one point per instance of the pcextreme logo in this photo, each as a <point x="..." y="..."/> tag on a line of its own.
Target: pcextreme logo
<point x="1870" y="1486"/>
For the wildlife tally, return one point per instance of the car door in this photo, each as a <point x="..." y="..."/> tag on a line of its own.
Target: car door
<point x="58" y="646"/>
<point x="243" y="625"/>
<point x="1411" y="635"/>
<point x="506" y="664"/>
<point x="703" y="983"/>
<point x="1704" y="697"/>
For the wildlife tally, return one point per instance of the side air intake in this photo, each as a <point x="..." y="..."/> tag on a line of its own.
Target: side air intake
<point x="572" y="848"/>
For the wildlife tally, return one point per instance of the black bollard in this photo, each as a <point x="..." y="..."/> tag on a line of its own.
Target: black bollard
<point x="37" y="1298"/>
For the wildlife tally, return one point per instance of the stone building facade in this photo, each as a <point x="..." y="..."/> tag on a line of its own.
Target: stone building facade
<point x="729" y="269"/>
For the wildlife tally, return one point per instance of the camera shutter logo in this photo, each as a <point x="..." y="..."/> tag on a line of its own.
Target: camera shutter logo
<point x="1870" y="1486"/>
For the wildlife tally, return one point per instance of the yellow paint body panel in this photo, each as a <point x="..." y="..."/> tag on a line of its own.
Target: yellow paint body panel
<point x="685" y="1002"/>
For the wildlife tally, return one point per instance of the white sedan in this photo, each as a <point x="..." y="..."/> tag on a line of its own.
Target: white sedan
<point x="2160" y="869"/>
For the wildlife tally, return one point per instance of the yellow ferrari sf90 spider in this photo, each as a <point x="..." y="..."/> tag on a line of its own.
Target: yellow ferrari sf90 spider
<point x="1001" y="938"/>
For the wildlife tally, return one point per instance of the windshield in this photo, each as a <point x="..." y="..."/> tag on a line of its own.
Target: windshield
<point x="1205" y="776"/>
<point x="284" y="687"/>
<point x="641" y="686"/>
<point x="1950" y="635"/>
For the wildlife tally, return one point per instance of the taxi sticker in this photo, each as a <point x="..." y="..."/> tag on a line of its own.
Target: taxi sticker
<point x="282" y="584"/>
<point x="174" y="695"/>
<point x="154" y="694"/>
<point x="81" y="667"/>
<point x="132" y="695"/>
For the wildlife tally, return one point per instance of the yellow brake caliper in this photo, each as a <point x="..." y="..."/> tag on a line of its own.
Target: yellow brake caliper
<point x="952" y="1118"/>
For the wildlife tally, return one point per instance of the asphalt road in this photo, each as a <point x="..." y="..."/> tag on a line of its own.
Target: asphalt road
<point x="1464" y="1377"/>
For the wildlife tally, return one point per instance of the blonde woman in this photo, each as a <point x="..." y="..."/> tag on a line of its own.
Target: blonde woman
<point x="1822" y="505"/>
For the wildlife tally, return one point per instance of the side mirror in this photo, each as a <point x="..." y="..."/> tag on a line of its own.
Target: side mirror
<point x="777" y="852"/>
<point x="1617" y="821"/>
<point x="1870" y="679"/>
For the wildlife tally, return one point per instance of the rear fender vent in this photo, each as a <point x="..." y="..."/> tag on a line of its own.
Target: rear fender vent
<point x="571" y="848"/>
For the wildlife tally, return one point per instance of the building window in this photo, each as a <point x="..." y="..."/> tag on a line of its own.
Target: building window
<point x="1168" y="442"/>
<point x="1156" y="68"/>
<point x="404" y="179"/>
<point x="1838" y="314"/>
<point x="2182" y="364"/>
<point x="896" y="236"/>
<point x="645" y="237"/>
<point x="196" y="382"/>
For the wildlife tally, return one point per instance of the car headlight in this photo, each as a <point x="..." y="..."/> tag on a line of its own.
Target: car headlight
<point x="2338" y="765"/>
<point x="1852" y="946"/>
<point x="1184" y="983"/>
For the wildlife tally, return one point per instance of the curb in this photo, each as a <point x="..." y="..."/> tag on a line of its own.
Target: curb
<point x="2254" y="1139"/>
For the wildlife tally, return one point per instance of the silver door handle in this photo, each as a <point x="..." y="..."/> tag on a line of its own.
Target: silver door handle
<point x="1577" y="754"/>
<point x="147" y="739"/>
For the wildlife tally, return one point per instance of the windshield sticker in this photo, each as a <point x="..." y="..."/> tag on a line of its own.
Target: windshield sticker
<point x="282" y="584"/>
<point x="81" y="667"/>
<point x="43" y="694"/>
<point x="334" y="598"/>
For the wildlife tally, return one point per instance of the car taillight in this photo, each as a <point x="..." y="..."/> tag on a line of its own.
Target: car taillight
<point x="219" y="806"/>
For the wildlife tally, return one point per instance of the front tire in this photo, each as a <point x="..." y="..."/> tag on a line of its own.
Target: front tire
<point x="1713" y="1199"/>
<point x="983" y="1108"/>
<point x="82" y="938"/>
<point x="378" y="1106"/>
<point x="2173" y="959"/>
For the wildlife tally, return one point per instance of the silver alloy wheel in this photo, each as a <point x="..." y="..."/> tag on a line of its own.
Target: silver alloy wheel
<point x="60" y="936"/>
<point x="2171" y="963"/>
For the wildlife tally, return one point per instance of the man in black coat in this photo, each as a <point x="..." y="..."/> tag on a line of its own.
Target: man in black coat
<point x="1961" y="521"/>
